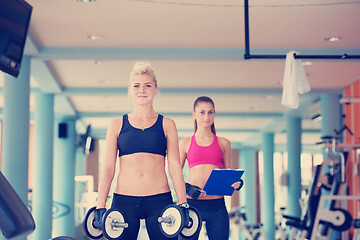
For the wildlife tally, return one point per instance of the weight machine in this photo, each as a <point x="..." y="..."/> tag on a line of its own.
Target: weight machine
<point x="327" y="212"/>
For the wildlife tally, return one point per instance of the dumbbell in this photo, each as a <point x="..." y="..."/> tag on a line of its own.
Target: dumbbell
<point x="113" y="224"/>
<point x="172" y="222"/>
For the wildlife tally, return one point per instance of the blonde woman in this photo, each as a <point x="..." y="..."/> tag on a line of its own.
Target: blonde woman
<point x="142" y="139"/>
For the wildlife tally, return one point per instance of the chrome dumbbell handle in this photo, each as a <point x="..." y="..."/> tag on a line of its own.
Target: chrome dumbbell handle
<point x="168" y="219"/>
<point x="117" y="224"/>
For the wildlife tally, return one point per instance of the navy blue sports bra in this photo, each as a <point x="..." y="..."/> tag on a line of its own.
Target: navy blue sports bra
<point x="134" y="140"/>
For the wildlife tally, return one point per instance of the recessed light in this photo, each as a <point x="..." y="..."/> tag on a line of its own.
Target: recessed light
<point x="332" y="39"/>
<point x="306" y="63"/>
<point x="269" y="96"/>
<point x="94" y="37"/>
<point x="86" y="1"/>
<point x="104" y="81"/>
<point x="253" y="108"/>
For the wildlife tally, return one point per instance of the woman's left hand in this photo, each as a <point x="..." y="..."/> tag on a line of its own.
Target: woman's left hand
<point x="238" y="185"/>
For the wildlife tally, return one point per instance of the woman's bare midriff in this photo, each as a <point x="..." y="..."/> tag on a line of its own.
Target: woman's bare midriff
<point x="142" y="174"/>
<point x="199" y="175"/>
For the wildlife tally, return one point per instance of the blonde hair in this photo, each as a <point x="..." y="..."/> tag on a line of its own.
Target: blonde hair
<point x="143" y="68"/>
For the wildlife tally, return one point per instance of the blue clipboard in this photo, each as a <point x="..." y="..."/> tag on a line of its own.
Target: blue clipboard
<point x="220" y="181"/>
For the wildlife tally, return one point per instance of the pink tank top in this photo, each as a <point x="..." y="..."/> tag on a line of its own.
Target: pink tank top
<point x="211" y="154"/>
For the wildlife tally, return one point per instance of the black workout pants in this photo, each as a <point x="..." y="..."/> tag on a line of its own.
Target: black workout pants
<point x="135" y="208"/>
<point x="214" y="213"/>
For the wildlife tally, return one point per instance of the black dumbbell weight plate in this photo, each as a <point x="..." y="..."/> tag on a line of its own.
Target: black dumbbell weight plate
<point x="110" y="218"/>
<point x="89" y="228"/>
<point x="195" y="224"/>
<point x="174" y="228"/>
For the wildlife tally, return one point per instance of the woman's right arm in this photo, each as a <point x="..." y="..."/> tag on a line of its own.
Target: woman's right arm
<point x="109" y="162"/>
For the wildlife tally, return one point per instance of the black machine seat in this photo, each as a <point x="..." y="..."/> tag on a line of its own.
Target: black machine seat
<point x="306" y="222"/>
<point x="16" y="220"/>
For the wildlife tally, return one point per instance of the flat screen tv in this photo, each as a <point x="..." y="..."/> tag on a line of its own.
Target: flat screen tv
<point x="14" y="24"/>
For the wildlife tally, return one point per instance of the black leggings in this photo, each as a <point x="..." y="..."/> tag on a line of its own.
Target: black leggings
<point x="135" y="208"/>
<point x="213" y="212"/>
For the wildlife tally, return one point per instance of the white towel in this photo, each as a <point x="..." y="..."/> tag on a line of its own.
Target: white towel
<point x="295" y="81"/>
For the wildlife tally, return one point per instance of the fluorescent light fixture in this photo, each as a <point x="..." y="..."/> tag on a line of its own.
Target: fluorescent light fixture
<point x="316" y="118"/>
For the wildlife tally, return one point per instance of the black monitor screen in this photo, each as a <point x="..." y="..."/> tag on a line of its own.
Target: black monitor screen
<point x="14" y="23"/>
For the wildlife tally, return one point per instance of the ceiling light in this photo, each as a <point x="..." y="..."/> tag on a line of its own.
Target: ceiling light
<point x="86" y="1"/>
<point x="253" y="108"/>
<point x="104" y="81"/>
<point x="98" y="62"/>
<point x="268" y="96"/>
<point x="332" y="39"/>
<point x="306" y="63"/>
<point x="95" y="37"/>
<point x="316" y="118"/>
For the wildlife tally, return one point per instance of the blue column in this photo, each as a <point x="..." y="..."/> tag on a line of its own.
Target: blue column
<point x="331" y="114"/>
<point x="15" y="147"/>
<point x="268" y="195"/>
<point x="248" y="192"/>
<point x="64" y="181"/>
<point x="43" y="165"/>
<point x="293" y="130"/>
<point x="331" y="118"/>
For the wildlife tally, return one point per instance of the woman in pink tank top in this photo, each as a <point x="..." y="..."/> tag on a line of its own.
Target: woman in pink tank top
<point x="205" y="152"/>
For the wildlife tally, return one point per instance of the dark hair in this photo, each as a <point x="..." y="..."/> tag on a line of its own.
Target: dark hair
<point x="206" y="100"/>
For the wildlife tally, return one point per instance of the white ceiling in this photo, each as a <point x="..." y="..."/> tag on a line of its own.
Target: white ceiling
<point x="196" y="48"/>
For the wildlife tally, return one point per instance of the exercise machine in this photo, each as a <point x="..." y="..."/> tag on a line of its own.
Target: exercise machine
<point x="251" y="231"/>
